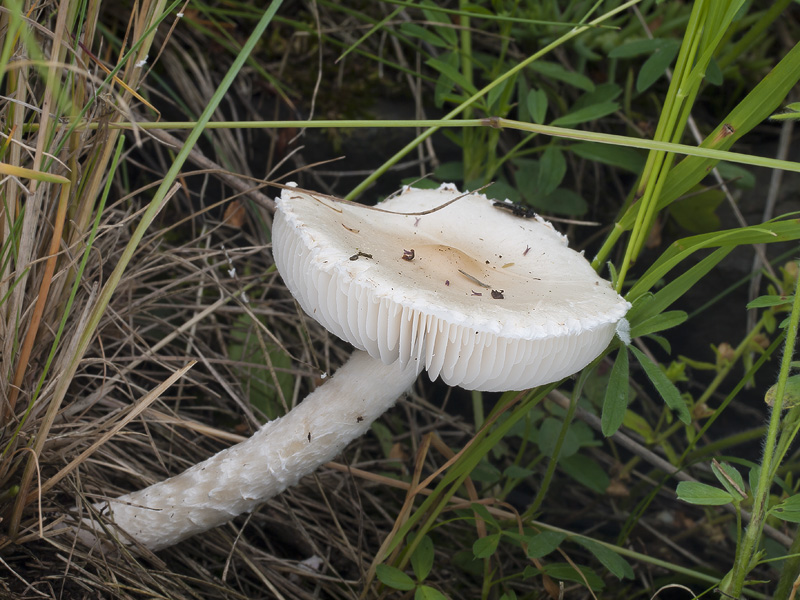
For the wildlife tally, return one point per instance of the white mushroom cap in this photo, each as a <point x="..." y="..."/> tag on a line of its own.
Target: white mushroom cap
<point x="544" y="313"/>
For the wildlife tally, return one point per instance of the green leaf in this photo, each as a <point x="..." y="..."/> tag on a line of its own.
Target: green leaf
<point x="714" y="73"/>
<point x="723" y="17"/>
<point x="788" y="510"/>
<point x="639" y="424"/>
<point x="481" y="511"/>
<point x="523" y="91"/>
<point x="517" y="472"/>
<point x="537" y="105"/>
<point x="665" y="387"/>
<point x="486" y="546"/>
<point x="766" y="301"/>
<point x="426" y="592"/>
<point x="526" y="428"/>
<point x="394" y="578"/>
<point x="548" y="438"/>
<point x="655" y="66"/>
<point x="501" y="190"/>
<point x="665" y="320"/>
<point x="585" y="471"/>
<point x="636" y="48"/>
<point x="530" y="571"/>
<point x="485" y="472"/>
<point x="659" y="301"/>
<point x="496" y="92"/>
<point x="385" y="437"/>
<point x="662" y="342"/>
<point x="427" y="183"/>
<point x="422" y="559"/>
<point x="526" y="176"/>
<point x="605" y="92"/>
<point x="737" y="175"/>
<point x="583" y="51"/>
<point x="695" y="492"/>
<point x="561" y="202"/>
<point x="552" y="168"/>
<point x="753" y="475"/>
<point x="785" y="116"/>
<point x="697" y="214"/>
<point x="542" y="544"/>
<point x="584" y="434"/>
<point x="608" y="558"/>
<point x="566" y="572"/>
<point x="615" y="402"/>
<point x="590" y="113"/>
<point x="435" y="16"/>
<point x="773" y="231"/>
<point x="252" y="367"/>
<point x="791" y="393"/>
<point x="615" y="156"/>
<point x="448" y="172"/>
<point x="466" y="561"/>
<point x="449" y="69"/>
<point x="730" y="479"/>
<point x="414" y="30"/>
<point x="432" y="13"/>
<point x="559" y="73"/>
<point x="448" y="63"/>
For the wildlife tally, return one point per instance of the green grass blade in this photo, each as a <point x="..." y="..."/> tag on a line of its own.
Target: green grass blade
<point x="771" y="232"/>
<point x="647" y="309"/>
<point x="660" y="322"/>
<point x="757" y="106"/>
<point x="616" y="399"/>
<point x="663" y="385"/>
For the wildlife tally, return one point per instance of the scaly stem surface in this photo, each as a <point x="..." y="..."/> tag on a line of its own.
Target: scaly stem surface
<point x="239" y="478"/>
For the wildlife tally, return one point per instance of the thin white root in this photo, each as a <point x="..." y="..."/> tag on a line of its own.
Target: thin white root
<point x="239" y="478"/>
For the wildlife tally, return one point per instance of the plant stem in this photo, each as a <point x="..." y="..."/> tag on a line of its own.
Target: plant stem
<point x="560" y="132"/>
<point x="465" y="58"/>
<point x="752" y="534"/>
<point x="670" y="128"/>
<point x="551" y="467"/>
<point x="239" y="478"/>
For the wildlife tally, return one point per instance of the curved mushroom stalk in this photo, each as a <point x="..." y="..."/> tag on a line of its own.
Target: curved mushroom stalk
<point x="239" y="478"/>
<point x="481" y="298"/>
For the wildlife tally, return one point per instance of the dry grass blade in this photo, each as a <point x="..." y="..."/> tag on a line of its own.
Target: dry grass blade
<point x="41" y="300"/>
<point x="134" y="412"/>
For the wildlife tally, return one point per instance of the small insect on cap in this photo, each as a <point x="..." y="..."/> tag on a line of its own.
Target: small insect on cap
<point x="478" y="296"/>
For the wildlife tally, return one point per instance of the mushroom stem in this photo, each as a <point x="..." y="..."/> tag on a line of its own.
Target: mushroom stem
<point x="237" y="479"/>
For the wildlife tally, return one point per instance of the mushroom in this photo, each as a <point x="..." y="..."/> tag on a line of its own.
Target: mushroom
<point x="479" y="297"/>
